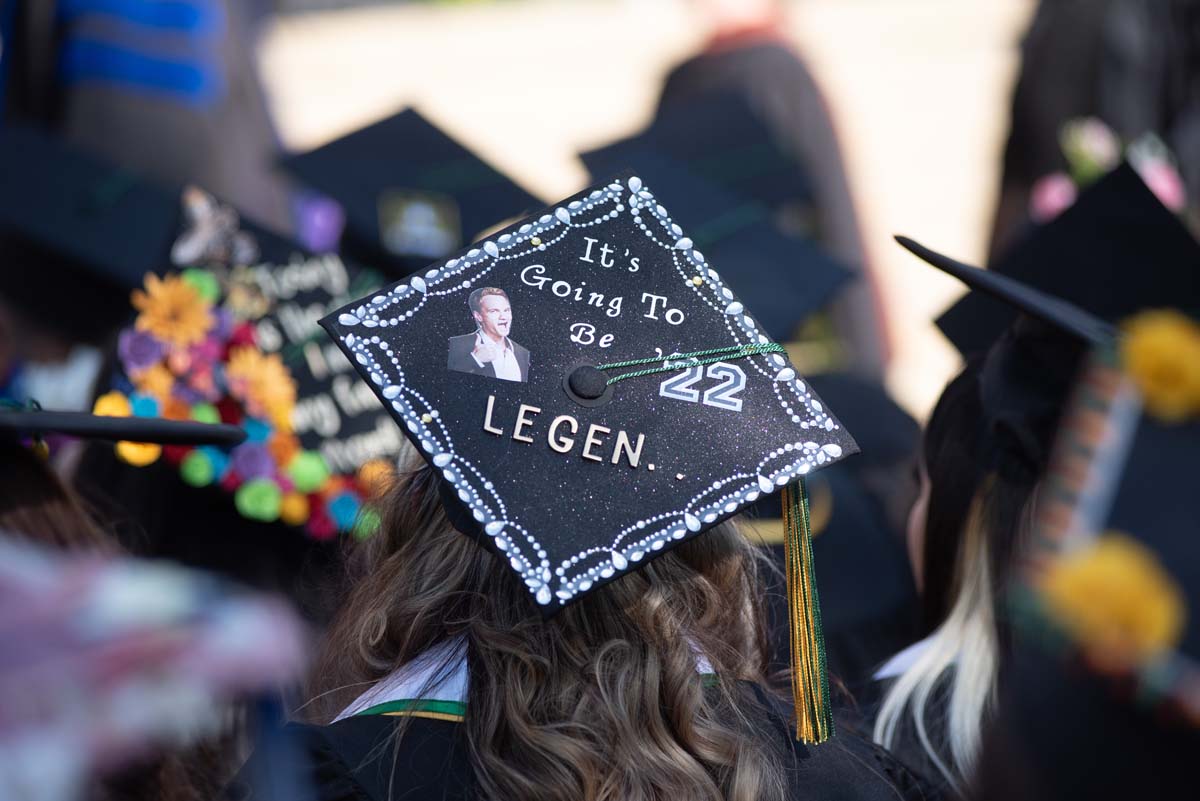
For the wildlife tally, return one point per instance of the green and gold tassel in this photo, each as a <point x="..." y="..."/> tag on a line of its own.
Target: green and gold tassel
<point x="810" y="682"/>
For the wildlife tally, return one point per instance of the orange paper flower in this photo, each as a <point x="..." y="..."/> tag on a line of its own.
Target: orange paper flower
<point x="172" y="310"/>
<point x="283" y="447"/>
<point x="155" y="381"/>
<point x="263" y="384"/>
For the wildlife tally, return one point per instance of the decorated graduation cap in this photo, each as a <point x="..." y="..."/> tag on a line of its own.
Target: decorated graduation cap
<point x="1116" y="251"/>
<point x="593" y="392"/>
<point x="230" y="335"/>
<point x="718" y="136"/>
<point x="410" y="193"/>
<point x="783" y="278"/>
<point x="77" y="234"/>
<point x="1107" y="607"/>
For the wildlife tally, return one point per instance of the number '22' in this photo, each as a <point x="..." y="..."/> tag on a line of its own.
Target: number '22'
<point x="733" y="381"/>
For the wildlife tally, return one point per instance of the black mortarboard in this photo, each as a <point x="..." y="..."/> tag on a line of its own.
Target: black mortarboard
<point x="1116" y="251"/>
<point x="77" y="234"/>
<point x="784" y="278"/>
<point x="410" y="193"/>
<point x="719" y="137"/>
<point x="1028" y="370"/>
<point x="590" y="389"/>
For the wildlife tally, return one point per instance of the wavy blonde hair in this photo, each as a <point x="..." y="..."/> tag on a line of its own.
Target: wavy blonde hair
<point x="601" y="702"/>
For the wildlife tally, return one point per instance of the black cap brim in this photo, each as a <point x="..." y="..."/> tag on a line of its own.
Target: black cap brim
<point x="119" y="429"/>
<point x="1017" y="295"/>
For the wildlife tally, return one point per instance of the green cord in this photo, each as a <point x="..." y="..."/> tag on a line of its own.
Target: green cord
<point x="714" y="355"/>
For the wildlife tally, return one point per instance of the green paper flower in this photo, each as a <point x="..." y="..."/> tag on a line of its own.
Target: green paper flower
<point x="308" y="471"/>
<point x="259" y="499"/>
<point x="197" y="469"/>
<point x="204" y="282"/>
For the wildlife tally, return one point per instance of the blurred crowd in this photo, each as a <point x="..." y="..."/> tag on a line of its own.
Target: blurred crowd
<point x="229" y="568"/>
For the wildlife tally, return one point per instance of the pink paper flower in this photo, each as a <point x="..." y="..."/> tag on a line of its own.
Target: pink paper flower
<point x="1051" y="196"/>
<point x="1164" y="181"/>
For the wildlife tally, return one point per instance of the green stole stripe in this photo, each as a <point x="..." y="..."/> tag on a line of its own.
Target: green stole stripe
<point x="452" y="708"/>
<point x="456" y="708"/>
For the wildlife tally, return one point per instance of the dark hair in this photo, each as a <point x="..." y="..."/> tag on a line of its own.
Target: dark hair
<point x="475" y="299"/>
<point x="953" y="456"/>
<point x="153" y="513"/>
<point x="37" y="507"/>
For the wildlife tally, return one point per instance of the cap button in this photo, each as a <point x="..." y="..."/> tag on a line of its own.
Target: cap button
<point x="587" y="382"/>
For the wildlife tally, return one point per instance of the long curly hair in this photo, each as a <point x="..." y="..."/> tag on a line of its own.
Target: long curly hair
<point x="604" y="700"/>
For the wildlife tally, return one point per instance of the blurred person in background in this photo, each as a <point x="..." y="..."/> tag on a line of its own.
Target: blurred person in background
<point x="37" y="508"/>
<point x="169" y="90"/>
<point x="988" y="445"/>
<point x="749" y="53"/>
<point x="1101" y="80"/>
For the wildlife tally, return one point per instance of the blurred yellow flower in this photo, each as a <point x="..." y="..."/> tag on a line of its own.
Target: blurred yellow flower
<point x="263" y="384"/>
<point x="172" y="310"/>
<point x="1116" y="600"/>
<point x="139" y="454"/>
<point x="155" y="381"/>
<point x="112" y="404"/>
<point x="376" y="476"/>
<point x="1161" y="351"/>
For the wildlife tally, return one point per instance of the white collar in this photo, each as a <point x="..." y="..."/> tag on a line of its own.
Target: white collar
<point x="439" y="674"/>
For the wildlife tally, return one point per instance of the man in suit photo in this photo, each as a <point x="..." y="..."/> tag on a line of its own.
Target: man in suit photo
<point x="488" y="351"/>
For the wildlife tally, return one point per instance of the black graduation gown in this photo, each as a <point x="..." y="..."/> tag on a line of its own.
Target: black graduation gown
<point x="357" y="759"/>
<point x="907" y="748"/>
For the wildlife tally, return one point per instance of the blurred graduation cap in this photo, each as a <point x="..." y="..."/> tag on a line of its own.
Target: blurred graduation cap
<point x="1115" y="251"/>
<point x="1109" y="635"/>
<point x="783" y="278"/>
<point x="719" y="137"/>
<point x="593" y="393"/>
<point x="77" y="235"/>
<point x="411" y="194"/>
<point x="1028" y="370"/>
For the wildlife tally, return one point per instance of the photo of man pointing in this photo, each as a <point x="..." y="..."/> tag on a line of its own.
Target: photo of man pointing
<point x="488" y="351"/>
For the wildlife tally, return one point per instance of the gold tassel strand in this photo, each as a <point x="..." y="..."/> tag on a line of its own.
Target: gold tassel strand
<point x="810" y="682"/>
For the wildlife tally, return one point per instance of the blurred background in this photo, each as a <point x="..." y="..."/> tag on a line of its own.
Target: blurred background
<point x="919" y="91"/>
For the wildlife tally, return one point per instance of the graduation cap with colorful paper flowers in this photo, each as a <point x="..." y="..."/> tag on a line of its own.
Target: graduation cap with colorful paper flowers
<point x="1106" y="635"/>
<point x="231" y="341"/>
<point x="409" y="192"/>
<point x="1121" y="461"/>
<point x="593" y="392"/>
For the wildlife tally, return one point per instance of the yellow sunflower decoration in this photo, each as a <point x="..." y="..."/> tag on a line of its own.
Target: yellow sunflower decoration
<point x="173" y="311"/>
<point x="1116" y="600"/>
<point x="1161" y="351"/>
